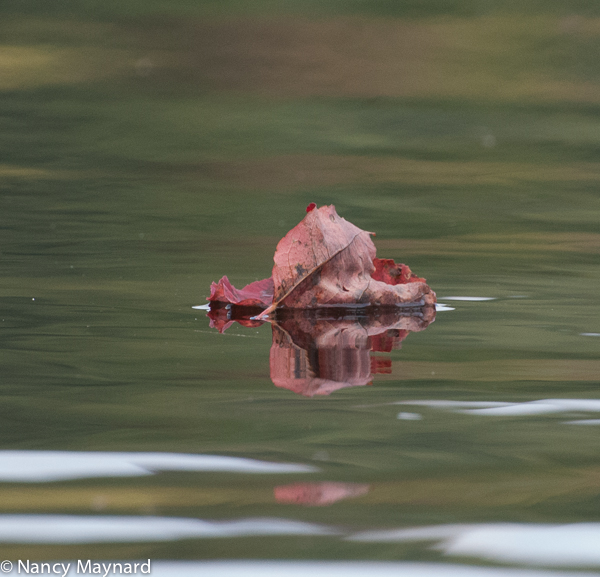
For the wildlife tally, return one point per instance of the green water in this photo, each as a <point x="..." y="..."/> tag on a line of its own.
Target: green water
<point x="144" y="155"/>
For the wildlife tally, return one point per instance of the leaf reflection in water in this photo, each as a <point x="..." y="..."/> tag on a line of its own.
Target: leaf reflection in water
<point x="320" y="351"/>
<point x="318" y="494"/>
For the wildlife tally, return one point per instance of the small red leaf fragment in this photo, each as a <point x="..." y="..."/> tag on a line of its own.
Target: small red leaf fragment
<point x="311" y="206"/>
<point x="256" y="294"/>
<point x="387" y="271"/>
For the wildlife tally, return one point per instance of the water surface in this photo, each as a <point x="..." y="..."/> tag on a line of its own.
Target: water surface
<point x="144" y="157"/>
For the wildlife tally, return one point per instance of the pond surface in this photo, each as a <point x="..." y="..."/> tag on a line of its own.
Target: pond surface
<point x="145" y="155"/>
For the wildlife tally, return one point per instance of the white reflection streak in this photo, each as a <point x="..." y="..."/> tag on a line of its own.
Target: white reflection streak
<point x="542" y="406"/>
<point x="503" y="409"/>
<point x="65" y="529"/>
<point x="469" y="299"/>
<point x="575" y="545"/>
<point x="584" y="422"/>
<point x="42" y="466"/>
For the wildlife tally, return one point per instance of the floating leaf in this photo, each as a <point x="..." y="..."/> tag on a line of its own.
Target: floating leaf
<point x="256" y="294"/>
<point x="327" y="261"/>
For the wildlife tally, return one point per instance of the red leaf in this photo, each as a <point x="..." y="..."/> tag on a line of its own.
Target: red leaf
<point x="326" y="260"/>
<point x="256" y="294"/>
<point x="388" y="271"/>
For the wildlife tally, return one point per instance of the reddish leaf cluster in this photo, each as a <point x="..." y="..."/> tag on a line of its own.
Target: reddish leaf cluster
<point x="256" y="294"/>
<point x="327" y="261"/>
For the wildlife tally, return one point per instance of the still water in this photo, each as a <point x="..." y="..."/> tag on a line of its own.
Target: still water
<point x="144" y="155"/>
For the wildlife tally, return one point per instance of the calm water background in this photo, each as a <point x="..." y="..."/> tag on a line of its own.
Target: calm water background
<point x="146" y="149"/>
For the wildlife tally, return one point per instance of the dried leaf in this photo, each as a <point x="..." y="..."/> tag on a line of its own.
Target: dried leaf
<point x="318" y="238"/>
<point x="256" y="294"/>
<point x="327" y="261"/>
